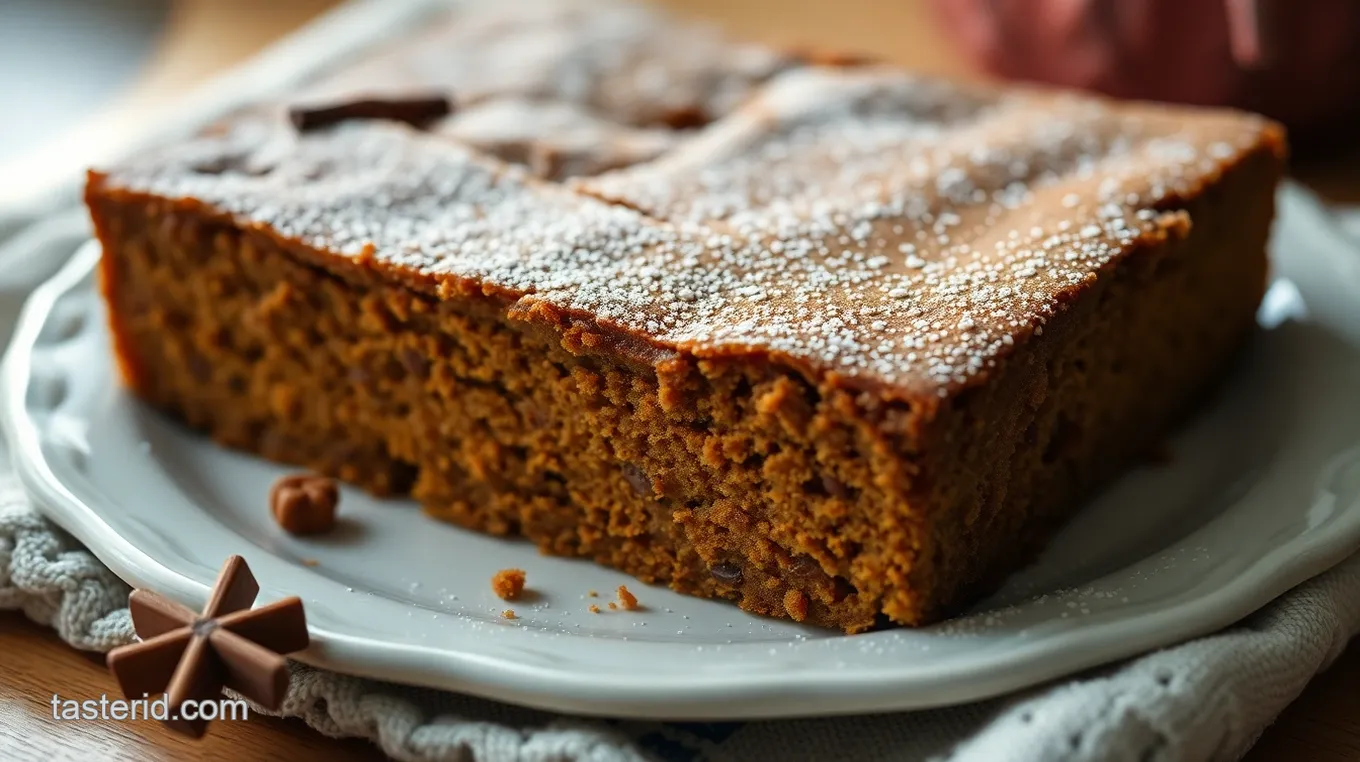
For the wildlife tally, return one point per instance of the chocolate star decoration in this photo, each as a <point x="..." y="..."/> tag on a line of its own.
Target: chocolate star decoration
<point x="191" y="657"/>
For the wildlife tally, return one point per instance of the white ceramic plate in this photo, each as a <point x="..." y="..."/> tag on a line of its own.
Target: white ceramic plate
<point x="1263" y="491"/>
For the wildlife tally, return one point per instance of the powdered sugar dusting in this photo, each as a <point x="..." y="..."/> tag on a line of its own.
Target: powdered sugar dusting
<point x="615" y="62"/>
<point x="897" y="230"/>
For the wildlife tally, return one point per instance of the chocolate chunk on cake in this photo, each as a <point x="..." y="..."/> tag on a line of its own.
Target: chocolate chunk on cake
<point x="840" y="344"/>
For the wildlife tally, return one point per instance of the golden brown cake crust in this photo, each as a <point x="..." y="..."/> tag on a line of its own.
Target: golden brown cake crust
<point x="850" y="351"/>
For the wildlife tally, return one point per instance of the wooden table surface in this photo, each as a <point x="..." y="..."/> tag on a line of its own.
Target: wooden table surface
<point x="205" y="35"/>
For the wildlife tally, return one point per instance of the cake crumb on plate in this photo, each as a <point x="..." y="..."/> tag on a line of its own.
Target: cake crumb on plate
<point x="508" y="583"/>
<point x="304" y="504"/>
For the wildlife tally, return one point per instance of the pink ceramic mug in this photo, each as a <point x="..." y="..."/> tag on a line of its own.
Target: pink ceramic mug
<point x="1296" y="60"/>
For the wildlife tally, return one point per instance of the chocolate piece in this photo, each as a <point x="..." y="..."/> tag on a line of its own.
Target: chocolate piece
<point x="834" y="487"/>
<point x="415" y="111"/>
<point x="191" y="657"/>
<point x="727" y="573"/>
<point x="304" y="503"/>
<point x="805" y="568"/>
<point x="624" y="62"/>
<point x="686" y="118"/>
<point x="637" y="479"/>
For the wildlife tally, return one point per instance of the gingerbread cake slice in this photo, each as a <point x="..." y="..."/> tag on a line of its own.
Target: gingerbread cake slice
<point x="839" y="344"/>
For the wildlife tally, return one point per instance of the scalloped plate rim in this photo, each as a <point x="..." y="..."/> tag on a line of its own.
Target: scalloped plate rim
<point x="674" y="695"/>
